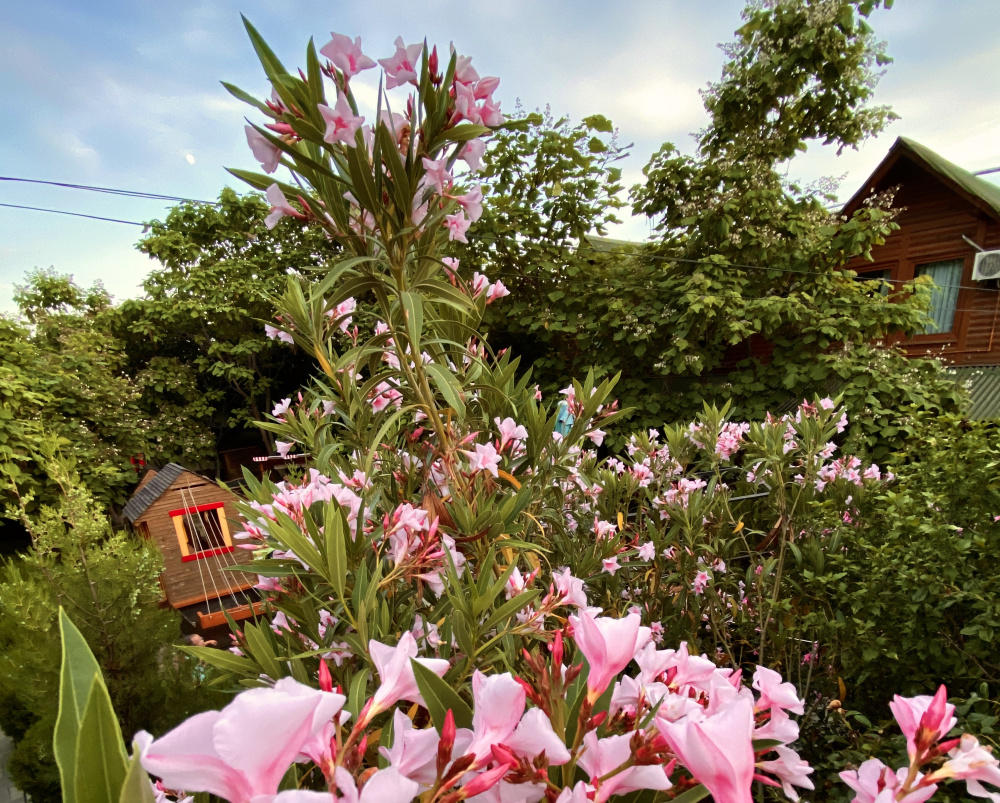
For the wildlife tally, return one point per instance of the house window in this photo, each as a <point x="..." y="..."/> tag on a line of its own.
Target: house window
<point x="202" y="531"/>
<point x="879" y="279"/>
<point x="947" y="277"/>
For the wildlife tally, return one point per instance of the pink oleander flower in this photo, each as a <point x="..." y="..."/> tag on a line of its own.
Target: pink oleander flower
<point x="717" y="750"/>
<point x="790" y="769"/>
<point x="602" y="756"/>
<point x="484" y="458"/>
<point x="498" y="706"/>
<point x="572" y="589"/>
<point x="479" y="284"/>
<point x="472" y="154"/>
<point x="774" y="693"/>
<point x="264" y="151"/>
<point x="438" y="174"/>
<point x="341" y="122"/>
<point x="597" y="436"/>
<point x="700" y="582"/>
<point x="281" y="408"/>
<point x="414" y="752"/>
<point x="972" y="763"/>
<point x="283" y="448"/>
<point x="510" y="432"/>
<point x="610" y="565"/>
<point x="274" y="333"/>
<point x="396" y="673"/>
<point x="607" y="644"/>
<point x="385" y="786"/>
<point x="457" y="225"/>
<point x="874" y="782"/>
<point x="346" y="55"/>
<point x="924" y="720"/>
<point x="279" y="206"/>
<point x="647" y="551"/>
<point x="496" y="291"/>
<point x="534" y="736"/>
<point x="242" y="752"/>
<point x="401" y="68"/>
<point x="472" y="203"/>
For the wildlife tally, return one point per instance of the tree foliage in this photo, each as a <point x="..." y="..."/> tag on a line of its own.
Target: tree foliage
<point x="63" y="393"/>
<point x="196" y="340"/>
<point x="107" y="583"/>
<point x="741" y="295"/>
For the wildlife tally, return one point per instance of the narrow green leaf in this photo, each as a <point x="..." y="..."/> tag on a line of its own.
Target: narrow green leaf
<point x="136" y="788"/>
<point x="449" y="387"/>
<point x="357" y="695"/>
<point x="509" y="608"/>
<point x="440" y="698"/>
<point x="260" y="650"/>
<point x="336" y="549"/>
<point x="691" y="795"/>
<point x="413" y="309"/>
<point x="223" y="659"/>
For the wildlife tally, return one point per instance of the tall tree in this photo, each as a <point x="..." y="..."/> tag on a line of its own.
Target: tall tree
<point x="197" y="336"/>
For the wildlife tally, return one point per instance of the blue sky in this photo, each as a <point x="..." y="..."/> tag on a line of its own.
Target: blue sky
<point x="126" y="94"/>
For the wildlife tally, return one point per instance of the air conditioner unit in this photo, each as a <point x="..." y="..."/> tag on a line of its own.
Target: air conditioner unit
<point x="987" y="266"/>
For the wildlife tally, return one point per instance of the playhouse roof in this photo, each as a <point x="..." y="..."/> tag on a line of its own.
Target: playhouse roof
<point x="151" y="489"/>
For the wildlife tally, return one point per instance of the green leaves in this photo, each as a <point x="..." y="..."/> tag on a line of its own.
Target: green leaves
<point x="88" y="742"/>
<point x="440" y="697"/>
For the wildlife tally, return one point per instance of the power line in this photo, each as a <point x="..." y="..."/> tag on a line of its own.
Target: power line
<point x="109" y="190"/>
<point x="682" y="260"/>
<point x="74" y="214"/>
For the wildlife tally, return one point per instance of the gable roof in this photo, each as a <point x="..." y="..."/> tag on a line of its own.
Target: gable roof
<point x="978" y="191"/>
<point x="151" y="489"/>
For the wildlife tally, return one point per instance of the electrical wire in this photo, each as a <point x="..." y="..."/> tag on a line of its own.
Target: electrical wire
<point x="74" y="214"/>
<point x="591" y="249"/>
<point x="110" y="190"/>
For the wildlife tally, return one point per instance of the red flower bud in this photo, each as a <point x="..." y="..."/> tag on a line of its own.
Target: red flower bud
<point x="447" y="742"/>
<point x="504" y="755"/>
<point x="557" y="649"/>
<point x="325" y="678"/>
<point x="485" y="781"/>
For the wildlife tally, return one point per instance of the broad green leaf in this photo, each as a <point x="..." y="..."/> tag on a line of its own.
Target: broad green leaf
<point x="440" y="697"/>
<point x="79" y="669"/>
<point x="101" y="763"/>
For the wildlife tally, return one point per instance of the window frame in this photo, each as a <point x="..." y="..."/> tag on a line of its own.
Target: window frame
<point x="180" y="528"/>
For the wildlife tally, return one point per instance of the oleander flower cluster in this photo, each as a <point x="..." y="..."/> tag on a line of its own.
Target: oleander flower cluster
<point x="677" y="722"/>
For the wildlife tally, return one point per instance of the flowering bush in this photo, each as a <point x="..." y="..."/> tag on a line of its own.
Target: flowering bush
<point x="446" y="511"/>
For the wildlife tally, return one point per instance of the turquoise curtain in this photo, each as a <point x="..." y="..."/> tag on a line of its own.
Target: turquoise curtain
<point x="947" y="277"/>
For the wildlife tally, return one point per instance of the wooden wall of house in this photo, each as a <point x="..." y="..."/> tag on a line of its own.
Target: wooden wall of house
<point x="932" y="223"/>
<point x="186" y="583"/>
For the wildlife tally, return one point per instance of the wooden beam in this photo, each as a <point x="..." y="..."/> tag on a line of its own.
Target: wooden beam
<point x="219" y="617"/>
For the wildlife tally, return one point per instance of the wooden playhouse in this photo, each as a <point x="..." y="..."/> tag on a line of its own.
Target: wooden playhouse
<point x="192" y="520"/>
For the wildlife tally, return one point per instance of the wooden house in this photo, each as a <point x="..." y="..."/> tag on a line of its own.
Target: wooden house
<point x="947" y="215"/>
<point x="192" y="520"/>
